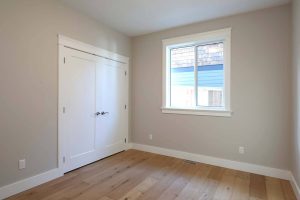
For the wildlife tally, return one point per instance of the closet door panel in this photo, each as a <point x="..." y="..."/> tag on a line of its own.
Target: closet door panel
<point x="79" y="85"/>
<point x="110" y="94"/>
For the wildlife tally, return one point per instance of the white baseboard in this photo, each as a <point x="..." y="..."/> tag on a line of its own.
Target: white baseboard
<point x="242" y="166"/>
<point x="129" y="145"/>
<point x="295" y="186"/>
<point x="28" y="183"/>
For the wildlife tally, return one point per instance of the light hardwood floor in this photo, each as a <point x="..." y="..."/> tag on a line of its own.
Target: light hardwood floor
<point x="139" y="175"/>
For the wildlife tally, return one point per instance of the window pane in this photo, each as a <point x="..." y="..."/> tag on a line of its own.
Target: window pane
<point x="210" y="59"/>
<point x="182" y="77"/>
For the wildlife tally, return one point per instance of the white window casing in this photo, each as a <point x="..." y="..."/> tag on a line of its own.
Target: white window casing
<point x="223" y="35"/>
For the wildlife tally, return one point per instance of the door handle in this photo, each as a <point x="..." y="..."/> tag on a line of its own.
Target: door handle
<point x="101" y="113"/>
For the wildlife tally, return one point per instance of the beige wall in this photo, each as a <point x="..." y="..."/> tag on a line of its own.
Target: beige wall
<point x="29" y="79"/>
<point x="296" y="90"/>
<point x="260" y="87"/>
<point x="261" y="96"/>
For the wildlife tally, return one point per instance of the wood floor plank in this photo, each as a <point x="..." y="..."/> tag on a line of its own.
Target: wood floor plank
<point x="287" y="190"/>
<point x="104" y="184"/>
<point x="211" y="183"/>
<point x="137" y="191"/>
<point x="193" y="188"/>
<point x="178" y="184"/>
<point x="225" y="188"/>
<point x="165" y="180"/>
<point x="157" y="175"/>
<point x="105" y="198"/>
<point x="257" y="187"/>
<point x="137" y="175"/>
<point x="241" y="186"/>
<point x="274" y="189"/>
<point x="117" y="169"/>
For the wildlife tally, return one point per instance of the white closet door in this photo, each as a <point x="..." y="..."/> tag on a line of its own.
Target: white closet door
<point x="111" y="94"/>
<point x="94" y="119"/>
<point x="79" y="84"/>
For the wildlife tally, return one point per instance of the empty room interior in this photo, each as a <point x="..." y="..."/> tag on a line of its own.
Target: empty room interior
<point x="150" y="99"/>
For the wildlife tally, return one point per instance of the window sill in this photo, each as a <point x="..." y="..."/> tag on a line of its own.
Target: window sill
<point x="181" y="111"/>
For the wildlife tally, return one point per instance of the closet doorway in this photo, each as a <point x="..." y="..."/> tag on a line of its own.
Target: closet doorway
<point x="93" y="110"/>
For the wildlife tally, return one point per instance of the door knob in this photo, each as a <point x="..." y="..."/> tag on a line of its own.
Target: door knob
<point x="97" y="113"/>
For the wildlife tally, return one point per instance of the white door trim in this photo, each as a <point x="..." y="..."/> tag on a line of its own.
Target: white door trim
<point x="75" y="44"/>
<point x="66" y="42"/>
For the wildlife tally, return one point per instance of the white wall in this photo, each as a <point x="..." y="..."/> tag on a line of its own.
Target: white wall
<point x="261" y="94"/>
<point x="296" y="91"/>
<point x="29" y="79"/>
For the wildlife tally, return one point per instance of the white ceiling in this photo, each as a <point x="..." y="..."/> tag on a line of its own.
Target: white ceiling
<point x="137" y="17"/>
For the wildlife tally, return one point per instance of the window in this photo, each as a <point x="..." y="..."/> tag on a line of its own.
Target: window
<point x="196" y="74"/>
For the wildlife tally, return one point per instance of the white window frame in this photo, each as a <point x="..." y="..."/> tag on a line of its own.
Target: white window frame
<point x="223" y="35"/>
